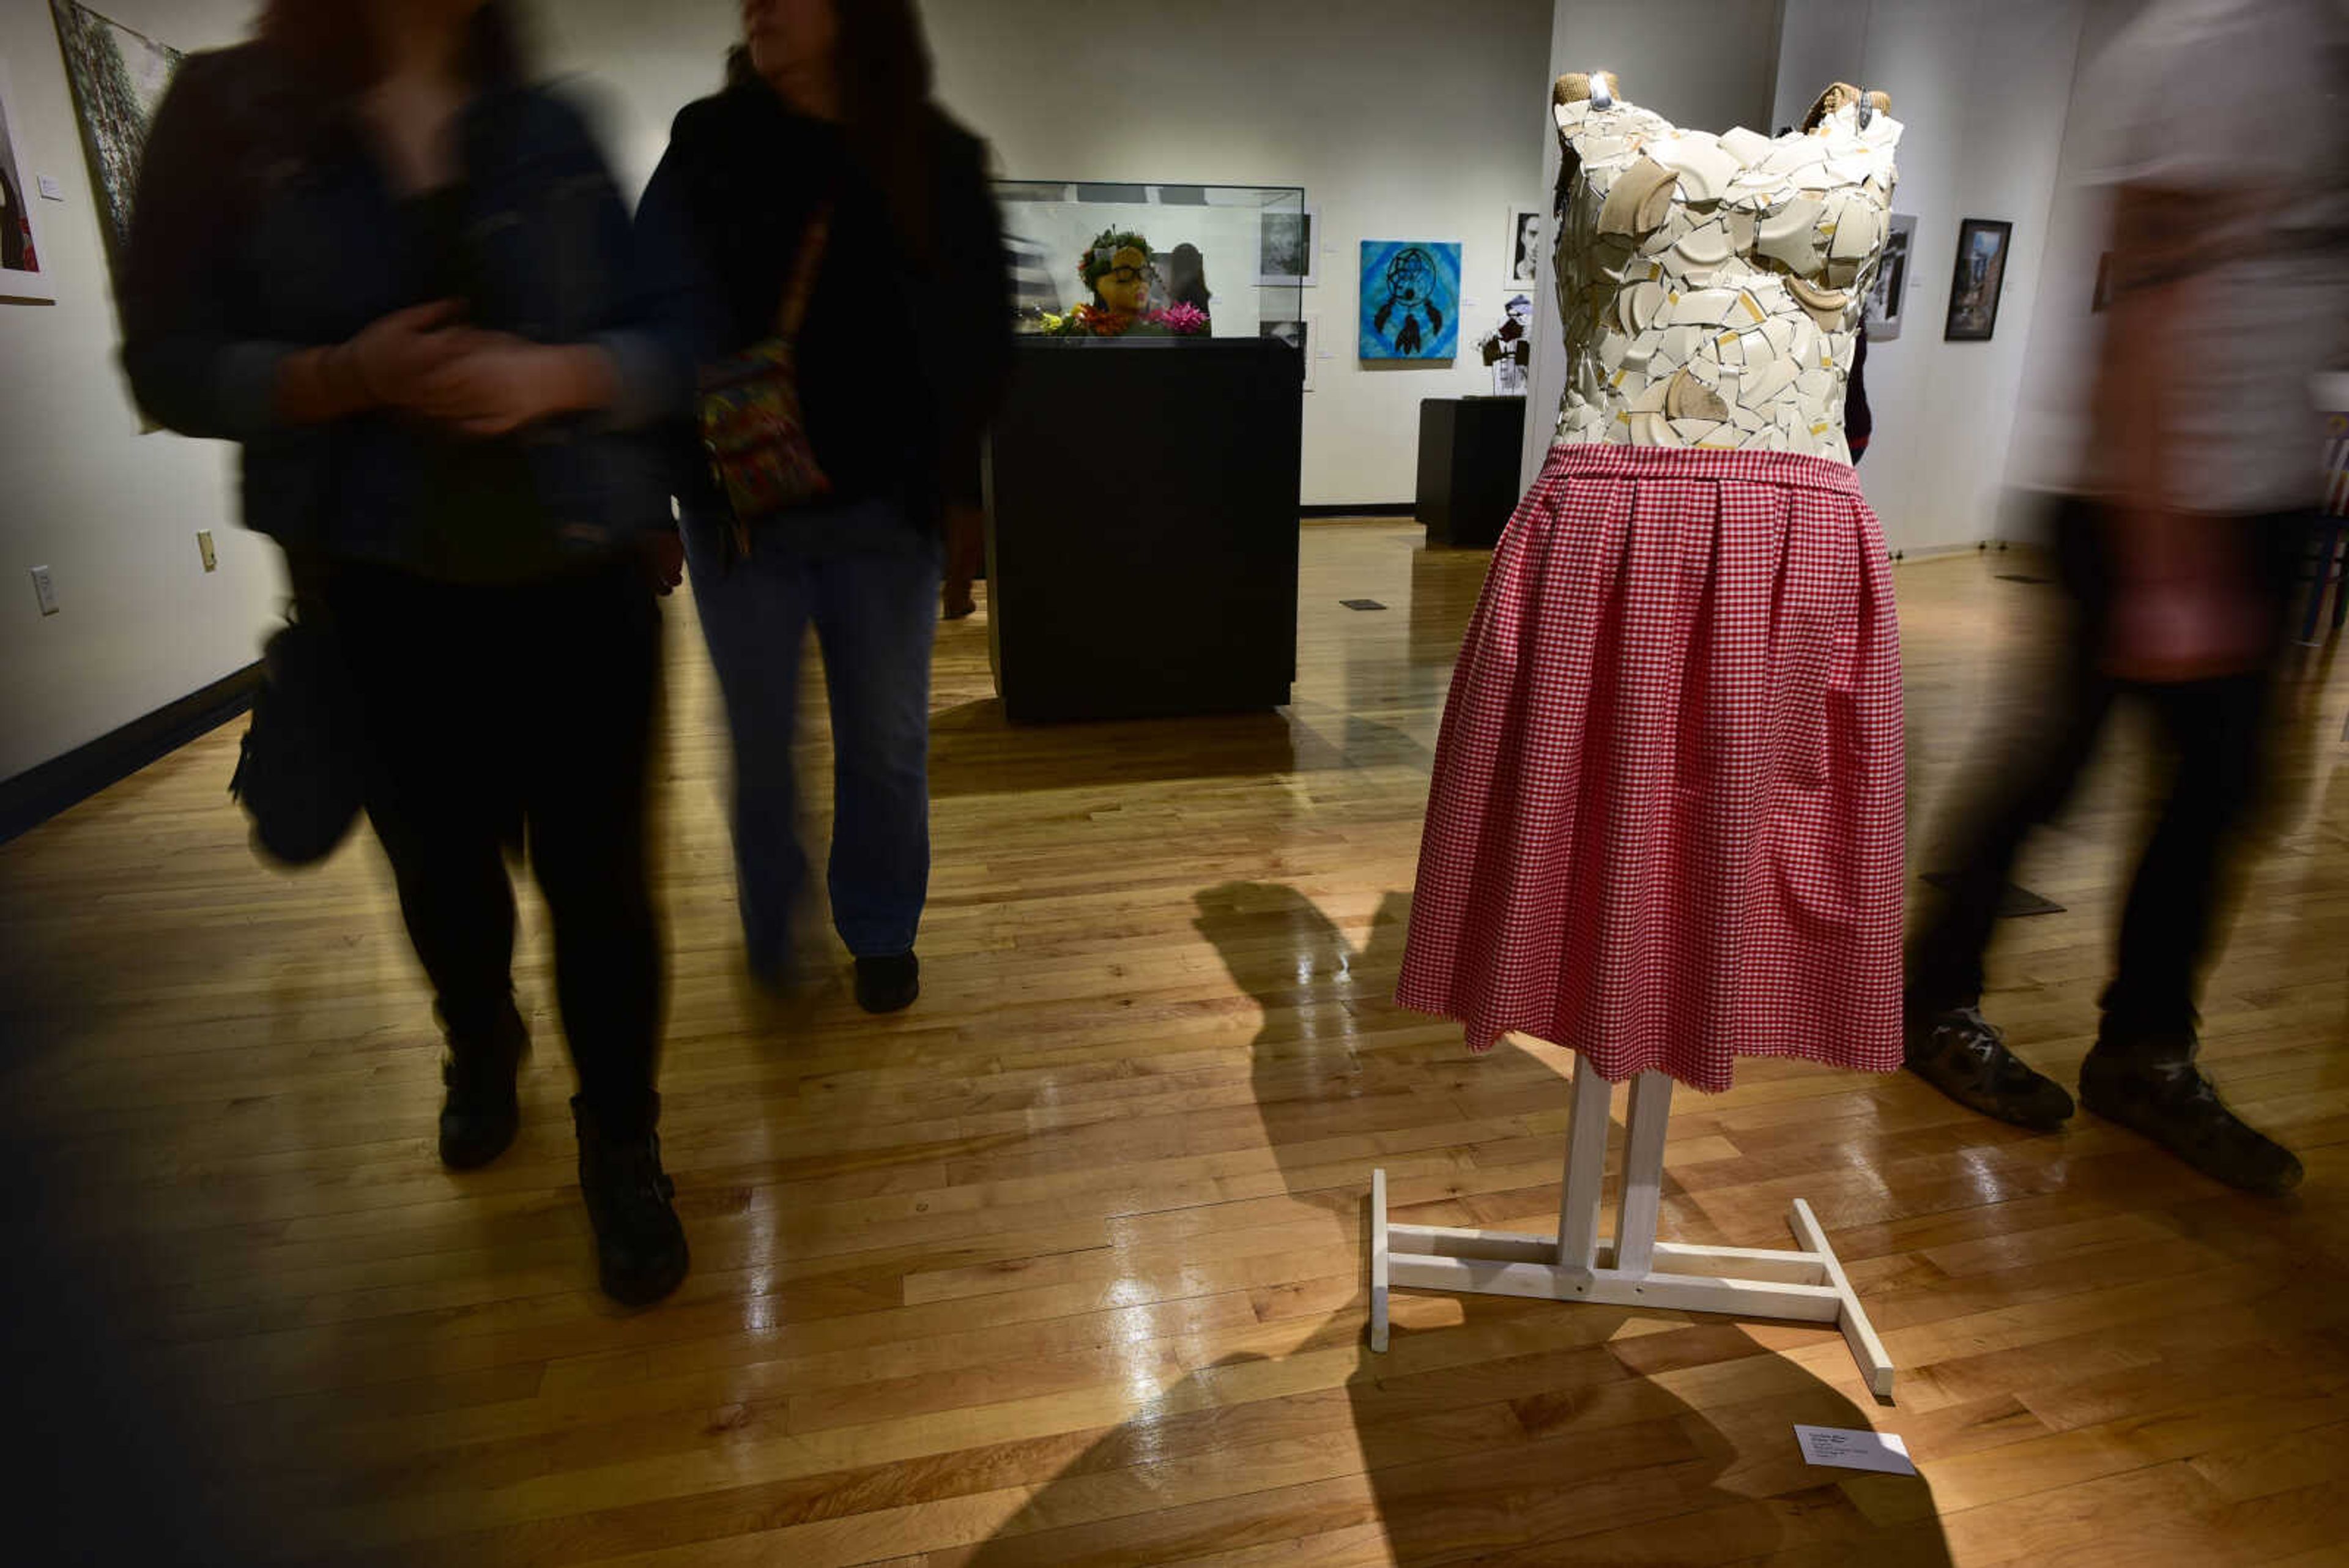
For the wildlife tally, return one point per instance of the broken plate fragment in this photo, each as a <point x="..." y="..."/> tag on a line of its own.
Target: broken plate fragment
<point x="1638" y="201"/>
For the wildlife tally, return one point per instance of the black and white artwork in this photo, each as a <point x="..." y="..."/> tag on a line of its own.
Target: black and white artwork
<point x="1288" y="243"/>
<point x="1887" y="298"/>
<point x="1525" y="246"/>
<point x="1509" y="348"/>
<point x="118" y="78"/>
<point x="23" y="279"/>
<point x="1300" y="333"/>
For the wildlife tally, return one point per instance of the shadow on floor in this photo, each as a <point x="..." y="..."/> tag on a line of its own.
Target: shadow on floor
<point x="1494" y="1431"/>
<point x="975" y="750"/>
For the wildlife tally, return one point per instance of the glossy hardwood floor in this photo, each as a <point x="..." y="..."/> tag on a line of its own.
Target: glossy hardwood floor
<point x="1066" y="1266"/>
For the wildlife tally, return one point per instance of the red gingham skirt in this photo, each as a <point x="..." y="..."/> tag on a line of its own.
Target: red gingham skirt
<point x="1665" y="825"/>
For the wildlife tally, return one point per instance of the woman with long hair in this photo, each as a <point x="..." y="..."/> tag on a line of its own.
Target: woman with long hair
<point x="402" y="279"/>
<point x="826" y="157"/>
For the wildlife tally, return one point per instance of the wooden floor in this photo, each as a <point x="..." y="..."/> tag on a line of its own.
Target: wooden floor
<point x="1066" y="1266"/>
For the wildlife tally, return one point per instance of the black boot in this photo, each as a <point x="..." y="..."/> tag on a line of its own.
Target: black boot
<point x="1960" y="1053"/>
<point x="888" y="984"/>
<point x="481" y="1111"/>
<point x="2176" y="1107"/>
<point x="640" y="1250"/>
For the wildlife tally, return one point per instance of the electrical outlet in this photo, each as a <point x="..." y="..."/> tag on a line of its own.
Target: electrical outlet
<point x="45" y="591"/>
<point x="204" y="548"/>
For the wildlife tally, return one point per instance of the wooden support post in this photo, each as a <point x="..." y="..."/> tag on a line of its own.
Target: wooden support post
<point x="1875" y="1364"/>
<point x="1634" y="1269"/>
<point x="1586" y="1170"/>
<point x="1643" y="1172"/>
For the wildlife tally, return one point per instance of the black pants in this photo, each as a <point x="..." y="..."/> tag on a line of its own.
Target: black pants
<point x="2213" y="737"/>
<point x="518" y="714"/>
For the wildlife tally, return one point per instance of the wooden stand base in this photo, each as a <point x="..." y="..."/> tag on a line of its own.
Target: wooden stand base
<point x="1634" y="1269"/>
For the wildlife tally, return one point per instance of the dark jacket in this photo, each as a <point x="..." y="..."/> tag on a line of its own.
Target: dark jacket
<point x="264" y="226"/>
<point x="903" y="355"/>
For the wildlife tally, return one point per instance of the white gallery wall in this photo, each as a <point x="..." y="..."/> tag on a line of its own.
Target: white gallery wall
<point x="1985" y="90"/>
<point x="113" y="514"/>
<point x="2051" y="414"/>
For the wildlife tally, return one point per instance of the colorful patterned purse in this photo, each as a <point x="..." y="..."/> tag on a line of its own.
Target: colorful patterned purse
<point x="751" y="423"/>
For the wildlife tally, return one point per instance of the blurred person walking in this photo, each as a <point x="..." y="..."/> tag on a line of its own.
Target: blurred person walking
<point x="2225" y="163"/>
<point x="402" y="278"/>
<point x="825" y="164"/>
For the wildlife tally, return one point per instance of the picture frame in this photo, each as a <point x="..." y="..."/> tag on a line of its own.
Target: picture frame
<point x="1888" y="297"/>
<point x="1522" y="248"/>
<point x="1978" y="280"/>
<point x="118" y="77"/>
<point x="1410" y="302"/>
<point x="1302" y="333"/>
<point x="26" y="276"/>
<point x="1288" y="248"/>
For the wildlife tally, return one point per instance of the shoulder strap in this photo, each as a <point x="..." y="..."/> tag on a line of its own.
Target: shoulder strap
<point x="791" y="314"/>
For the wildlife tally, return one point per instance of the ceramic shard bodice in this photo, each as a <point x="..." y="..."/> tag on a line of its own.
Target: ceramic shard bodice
<point x="1712" y="286"/>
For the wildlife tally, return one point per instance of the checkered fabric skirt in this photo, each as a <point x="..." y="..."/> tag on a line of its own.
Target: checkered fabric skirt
<point x="1665" y="825"/>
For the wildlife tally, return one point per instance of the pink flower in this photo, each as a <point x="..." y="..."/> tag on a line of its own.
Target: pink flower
<point x="1182" y="320"/>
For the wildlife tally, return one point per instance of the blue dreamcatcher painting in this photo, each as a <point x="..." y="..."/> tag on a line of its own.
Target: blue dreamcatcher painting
<point x="1411" y="299"/>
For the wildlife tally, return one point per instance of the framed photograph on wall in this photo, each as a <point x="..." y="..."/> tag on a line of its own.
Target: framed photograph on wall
<point x="118" y="78"/>
<point x="1287" y="247"/>
<point x="1411" y="299"/>
<point x="1525" y="246"/>
<point x="24" y="277"/>
<point x="1982" y="244"/>
<point x="1302" y="333"/>
<point x="1888" y="297"/>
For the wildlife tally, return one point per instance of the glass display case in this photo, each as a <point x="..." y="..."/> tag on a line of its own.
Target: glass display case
<point x="1140" y="264"/>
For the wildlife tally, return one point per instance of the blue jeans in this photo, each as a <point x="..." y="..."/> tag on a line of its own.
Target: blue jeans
<point x="868" y="579"/>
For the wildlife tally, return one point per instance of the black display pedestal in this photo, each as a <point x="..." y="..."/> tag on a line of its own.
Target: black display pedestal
<point x="1469" y="450"/>
<point x="1142" y="529"/>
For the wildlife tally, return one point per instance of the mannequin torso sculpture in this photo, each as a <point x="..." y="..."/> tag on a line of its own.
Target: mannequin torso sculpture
<point x="1712" y="286"/>
<point x="1665" y="821"/>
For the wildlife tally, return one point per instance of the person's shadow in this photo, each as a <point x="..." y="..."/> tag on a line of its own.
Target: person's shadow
<point x="1493" y="1430"/>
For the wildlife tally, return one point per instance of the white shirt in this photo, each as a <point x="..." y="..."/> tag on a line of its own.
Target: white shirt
<point x="2242" y="99"/>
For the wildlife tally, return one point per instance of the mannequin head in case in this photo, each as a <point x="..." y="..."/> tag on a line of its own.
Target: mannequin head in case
<point x="1117" y="269"/>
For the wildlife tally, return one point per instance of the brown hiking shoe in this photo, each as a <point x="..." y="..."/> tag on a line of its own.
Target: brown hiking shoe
<point x="1960" y="1054"/>
<point x="2176" y="1107"/>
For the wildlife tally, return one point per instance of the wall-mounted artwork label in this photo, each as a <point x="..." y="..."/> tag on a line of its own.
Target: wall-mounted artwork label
<point x="23" y="279"/>
<point x="118" y="78"/>
<point x="1411" y="299"/>
<point x="1286" y="255"/>
<point x="1982" y="244"/>
<point x="1887" y="301"/>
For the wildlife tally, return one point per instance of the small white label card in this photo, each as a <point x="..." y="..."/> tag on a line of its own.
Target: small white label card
<point x="1855" y="1450"/>
<point x="51" y="189"/>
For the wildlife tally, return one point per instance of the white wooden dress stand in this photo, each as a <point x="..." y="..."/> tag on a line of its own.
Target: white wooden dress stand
<point x="1806" y="1285"/>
